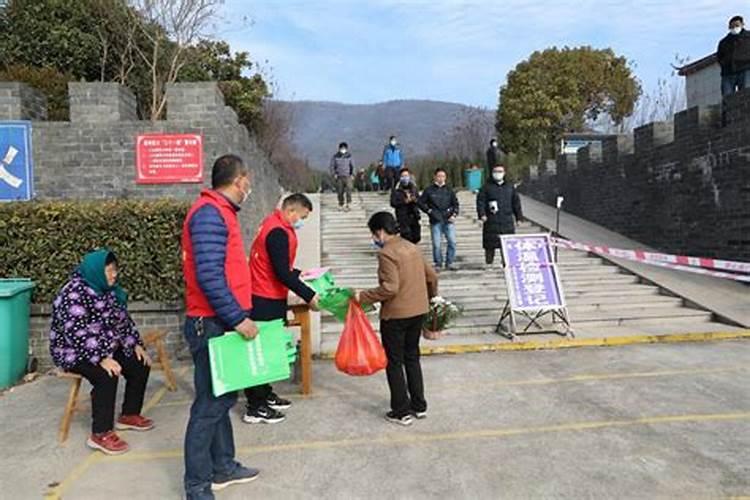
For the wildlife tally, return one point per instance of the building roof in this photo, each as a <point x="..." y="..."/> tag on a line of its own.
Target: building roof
<point x="698" y="65"/>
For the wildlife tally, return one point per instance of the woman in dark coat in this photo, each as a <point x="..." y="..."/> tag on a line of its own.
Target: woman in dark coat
<point x="404" y="200"/>
<point x="498" y="204"/>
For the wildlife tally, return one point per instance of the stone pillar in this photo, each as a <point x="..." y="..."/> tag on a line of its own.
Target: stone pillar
<point x="18" y="101"/>
<point x="97" y="102"/>
<point x="196" y="101"/>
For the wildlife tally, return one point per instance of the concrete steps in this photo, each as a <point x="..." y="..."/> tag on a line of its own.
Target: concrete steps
<point x="600" y="296"/>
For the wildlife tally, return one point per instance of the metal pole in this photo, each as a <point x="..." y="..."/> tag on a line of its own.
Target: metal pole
<point x="560" y="200"/>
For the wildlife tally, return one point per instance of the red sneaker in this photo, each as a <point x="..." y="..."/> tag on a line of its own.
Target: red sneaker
<point x="108" y="443"/>
<point x="134" y="422"/>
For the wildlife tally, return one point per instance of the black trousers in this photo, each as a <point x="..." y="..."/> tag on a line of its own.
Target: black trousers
<point x="489" y="256"/>
<point x="104" y="392"/>
<point x="404" y="371"/>
<point x="264" y="310"/>
<point x="390" y="178"/>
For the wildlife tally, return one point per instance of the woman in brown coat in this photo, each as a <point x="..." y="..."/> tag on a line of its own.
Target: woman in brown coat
<point x="406" y="285"/>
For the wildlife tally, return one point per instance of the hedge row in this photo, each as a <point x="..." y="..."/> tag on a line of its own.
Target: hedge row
<point x="46" y="240"/>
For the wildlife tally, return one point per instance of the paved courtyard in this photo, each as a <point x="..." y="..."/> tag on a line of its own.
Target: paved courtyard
<point x="668" y="421"/>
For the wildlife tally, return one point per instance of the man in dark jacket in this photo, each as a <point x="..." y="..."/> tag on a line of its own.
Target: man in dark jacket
<point x="404" y="200"/>
<point x="217" y="299"/>
<point x="734" y="57"/>
<point x="494" y="157"/>
<point x="497" y="204"/>
<point x="342" y="170"/>
<point x="440" y="203"/>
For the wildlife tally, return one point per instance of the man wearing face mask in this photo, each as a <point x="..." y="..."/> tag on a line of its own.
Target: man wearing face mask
<point x="342" y="170"/>
<point x="273" y="274"/>
<point x="393" y="161"/>
<point x="440" y="203"/>
<point x="734" y="57"/>
<point x="404" y="201"/>
<point x="497" y="204"/>
<point x="217" y="299"/>
<point x="494" y="157"/>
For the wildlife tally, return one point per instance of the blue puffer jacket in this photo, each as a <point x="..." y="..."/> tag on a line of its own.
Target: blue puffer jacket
<point x="392" y="157"/>
<point x="209" y="236"/>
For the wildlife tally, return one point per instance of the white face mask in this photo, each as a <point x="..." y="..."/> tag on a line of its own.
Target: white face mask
<point x="393" y="142"/>
<point x="494" y="144"/>
<point x="342" y="151"/>
<point x="245" y="195"/>
<point x="498" y="176"/>
<point x="736" y="30"/>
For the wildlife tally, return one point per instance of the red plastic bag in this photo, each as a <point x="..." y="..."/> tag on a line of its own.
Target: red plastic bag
<point x="359" y="351"/>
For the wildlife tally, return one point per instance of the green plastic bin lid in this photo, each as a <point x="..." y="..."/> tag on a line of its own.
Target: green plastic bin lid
<point x="10" y="287"/>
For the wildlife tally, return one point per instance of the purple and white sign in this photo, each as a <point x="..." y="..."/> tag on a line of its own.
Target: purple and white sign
<point x="533" y="281"/>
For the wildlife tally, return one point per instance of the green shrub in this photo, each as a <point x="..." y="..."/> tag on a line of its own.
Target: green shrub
<point x="46" y="240"/>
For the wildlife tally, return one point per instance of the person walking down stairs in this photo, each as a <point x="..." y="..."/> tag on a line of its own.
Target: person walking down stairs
<point x="342" y="170"/>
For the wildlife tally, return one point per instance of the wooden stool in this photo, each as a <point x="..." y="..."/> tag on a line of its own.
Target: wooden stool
<point x="153" y="339"/>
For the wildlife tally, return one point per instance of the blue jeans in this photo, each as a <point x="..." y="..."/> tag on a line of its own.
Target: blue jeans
<point x="209" y="442"/>
<point x="734" y="82"/>
<point x="438" y="230"/>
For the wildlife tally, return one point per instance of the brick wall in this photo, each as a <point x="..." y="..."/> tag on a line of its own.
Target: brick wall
<point x="92" y="156"/>
<point x="682" y="186"/>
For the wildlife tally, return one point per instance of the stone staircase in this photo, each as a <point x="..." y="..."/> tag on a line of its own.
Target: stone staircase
<point x="602" y="299"/>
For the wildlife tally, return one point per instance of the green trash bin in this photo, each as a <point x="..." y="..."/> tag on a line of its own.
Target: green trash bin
<point x="473" y="179"/>
<point x="15" y="299"/>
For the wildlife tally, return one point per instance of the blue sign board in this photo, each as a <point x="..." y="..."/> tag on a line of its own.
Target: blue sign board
<point x="533" y="283"/>
<point x="16" y="161"/>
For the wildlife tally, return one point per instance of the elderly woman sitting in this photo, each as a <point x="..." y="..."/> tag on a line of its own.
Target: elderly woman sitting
<point x="93" y="335"/>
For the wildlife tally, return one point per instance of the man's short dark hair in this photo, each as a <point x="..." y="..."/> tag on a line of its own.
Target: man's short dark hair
<point x="391" y="137"/>
<point x="297" y="200"/>
<point x="440" y="169"/>
<point x="404" y="169"/>
<point x="736" y="18"/>
<point x="226" y="169"/>
<point x="384" y="221"/>
<point x="343" y="145"/>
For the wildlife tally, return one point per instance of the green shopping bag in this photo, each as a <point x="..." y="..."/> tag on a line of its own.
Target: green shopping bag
<point x="336" y="301"/>
<point x="291" y="347"/>
<point x="237" y="363"/>
<point x="320" y="280"/>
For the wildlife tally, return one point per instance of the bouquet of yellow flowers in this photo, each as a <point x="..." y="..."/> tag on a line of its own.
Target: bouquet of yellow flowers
<point x="441" y="314"/>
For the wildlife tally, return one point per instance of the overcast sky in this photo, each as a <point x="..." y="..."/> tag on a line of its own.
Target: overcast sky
<point x="369" y="51"/>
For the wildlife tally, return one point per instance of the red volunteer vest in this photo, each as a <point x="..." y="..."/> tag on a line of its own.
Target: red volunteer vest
<point x="265" y="283"/>
<point x="235" y="264"/>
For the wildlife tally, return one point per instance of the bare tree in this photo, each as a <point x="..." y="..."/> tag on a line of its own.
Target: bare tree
<point x="469" y="136"/>
<point x="169" y="27"/>
<point x="660" y="104"/>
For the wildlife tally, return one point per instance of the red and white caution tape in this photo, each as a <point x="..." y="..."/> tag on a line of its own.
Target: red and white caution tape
<point x="698" y="265"/>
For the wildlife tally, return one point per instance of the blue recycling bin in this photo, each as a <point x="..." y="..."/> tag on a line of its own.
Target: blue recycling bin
<point x="473" y="179"/>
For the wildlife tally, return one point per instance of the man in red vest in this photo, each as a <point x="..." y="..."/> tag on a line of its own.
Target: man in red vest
<point x="273" y="274"/>
<point x="217" y="299"/>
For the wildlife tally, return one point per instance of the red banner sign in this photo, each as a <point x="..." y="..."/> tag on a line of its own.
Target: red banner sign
<point x="169" y="158"/>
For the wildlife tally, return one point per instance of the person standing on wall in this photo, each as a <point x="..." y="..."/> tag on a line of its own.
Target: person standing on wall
<point x="217" y="300"/>
<point x="273" y="274"/>
<point x="404" y="201"/>
<point x="342" y="170"/>
<point x="497" y="205"/>
<point x="733" y="54"/>
<point x="440" y="203"/>
<point x="393" y="162"/>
